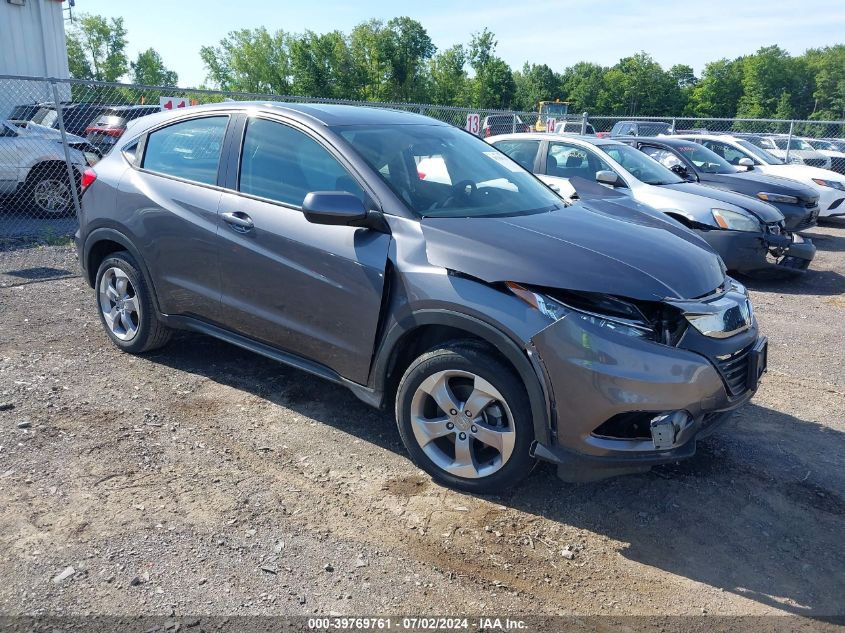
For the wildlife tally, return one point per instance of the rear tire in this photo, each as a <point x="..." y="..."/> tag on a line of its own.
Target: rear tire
<point x="482" y="451"/>
<point x="124" y="303"/>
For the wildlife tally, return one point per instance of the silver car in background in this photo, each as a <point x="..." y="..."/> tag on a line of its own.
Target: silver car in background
<point x="747" y="233"/>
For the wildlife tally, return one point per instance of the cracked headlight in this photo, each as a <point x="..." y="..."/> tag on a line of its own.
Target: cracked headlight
<point x="555" y="310"/>
<point x="834" y="184"/>
<point x="735" y="220"/>
<point x="777" y="197"/>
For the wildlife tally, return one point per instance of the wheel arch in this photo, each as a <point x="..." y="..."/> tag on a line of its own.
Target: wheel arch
<point x="420" y="331"/>
<point x="105" y="241"/>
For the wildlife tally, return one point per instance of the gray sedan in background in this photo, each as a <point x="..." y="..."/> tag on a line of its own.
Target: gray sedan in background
<point x="749" y="234"/>
<point x="499" y="324"/>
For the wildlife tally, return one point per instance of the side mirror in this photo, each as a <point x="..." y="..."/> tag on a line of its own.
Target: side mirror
<point x="682" y="172"/>
<point x="335" y="208"/>
<point x="747" y="163"/>
<point x="607" y="177"/>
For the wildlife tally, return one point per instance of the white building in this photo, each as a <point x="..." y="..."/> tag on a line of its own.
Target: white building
<point x="32" y="43"/>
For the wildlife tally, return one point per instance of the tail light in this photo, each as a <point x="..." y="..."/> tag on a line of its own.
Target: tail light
<point x="105" y="131"/>
<point x="88" y="178"/>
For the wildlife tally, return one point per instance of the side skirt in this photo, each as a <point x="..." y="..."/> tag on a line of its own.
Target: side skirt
<point x="365" y="394"/>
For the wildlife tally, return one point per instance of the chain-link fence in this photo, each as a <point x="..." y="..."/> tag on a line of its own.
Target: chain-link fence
<point x="51" y="130"/>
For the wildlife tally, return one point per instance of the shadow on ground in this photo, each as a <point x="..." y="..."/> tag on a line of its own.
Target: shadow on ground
<point x="758" y="511"/>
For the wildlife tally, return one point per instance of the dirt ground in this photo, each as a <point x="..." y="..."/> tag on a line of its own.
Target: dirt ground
<point x="203" y="479"/>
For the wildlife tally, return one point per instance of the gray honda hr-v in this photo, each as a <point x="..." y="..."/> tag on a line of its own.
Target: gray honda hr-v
<point x="426" y="271"/>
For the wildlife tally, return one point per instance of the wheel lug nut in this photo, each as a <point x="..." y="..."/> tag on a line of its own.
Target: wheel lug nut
<point x="453" y="412"/>
<point x="468" y="414"/>
<point x="474" y="429"/>
<point x="450" y="426"/>
<point x="463" y="436"/>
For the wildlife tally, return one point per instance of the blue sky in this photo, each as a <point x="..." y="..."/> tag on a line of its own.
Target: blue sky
<point x="556" y="33"/>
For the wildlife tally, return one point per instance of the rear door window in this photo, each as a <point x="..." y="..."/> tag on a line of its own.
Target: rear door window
<point x="570" y="161"/>
<point x="523" y="152"/>
<point x="663" y="156"/>
<point x="190" y="149"/>
<point x="733" y="156"/>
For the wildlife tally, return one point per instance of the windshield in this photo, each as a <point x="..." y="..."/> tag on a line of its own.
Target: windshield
<point x="795" y="143"/>
<point x="823" y="145"/>
<point x="46" y="117"/>
<point x="441" y="171"/>
<point x="704" y="160"/>
<point x="653" y="129"/>
<point x="759" y="152"/>
<point x="556" y="109"/>
<point x="640" y="166"/>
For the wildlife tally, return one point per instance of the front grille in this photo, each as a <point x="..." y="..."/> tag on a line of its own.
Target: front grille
<point x="806" y="223"/>
<point x="838" y="165"/>
<point x="734" y="370"/>
<point x="815" y="162"/>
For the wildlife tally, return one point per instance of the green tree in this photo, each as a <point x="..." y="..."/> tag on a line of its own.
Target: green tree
<point x="149" y="69"/>
<point x="766" y="76"/>
<point x="582" y="84"/>
<point x="372" y="50"/>
<point x="827" y="67"/>
<point x="322" y="66"/>
<point x="536" y="82"/>
<point x="96" y="48"/>
<point x="493" y="85"/>
<point x="448" y="83"/>
<point x="637" y="85"/>
<point x="412" y="48"/>
<point x="250" y="60"/>
<point x="718" y="92"/>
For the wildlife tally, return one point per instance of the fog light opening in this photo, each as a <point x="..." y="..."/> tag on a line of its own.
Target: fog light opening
<point x="666" y="427"/>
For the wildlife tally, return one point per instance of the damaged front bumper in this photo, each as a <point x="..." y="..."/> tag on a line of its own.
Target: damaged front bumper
<point x="624" y="404"/>
<point x="762" y="254"/>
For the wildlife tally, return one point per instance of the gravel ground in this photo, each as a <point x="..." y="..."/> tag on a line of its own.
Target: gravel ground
<point x="202" y="479"/>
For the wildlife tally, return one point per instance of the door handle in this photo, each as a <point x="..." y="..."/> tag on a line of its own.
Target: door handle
<point x="239" y="221"/>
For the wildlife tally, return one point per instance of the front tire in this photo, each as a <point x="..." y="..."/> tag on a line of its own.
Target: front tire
<point x="125" y="305"/>
<point x="465" y="419"/>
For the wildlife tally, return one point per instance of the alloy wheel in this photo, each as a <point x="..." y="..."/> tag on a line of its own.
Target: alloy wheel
<point x="52" y="195"/>
<point x="463" y="424"/>
<point x="119" y="304"/>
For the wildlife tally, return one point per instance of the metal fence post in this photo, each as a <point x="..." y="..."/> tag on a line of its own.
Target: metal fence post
<point x="674" y="126"/>
<point x="584" y="123"/>
<point x="789" y="140"/>
<point x="71" y="177"/>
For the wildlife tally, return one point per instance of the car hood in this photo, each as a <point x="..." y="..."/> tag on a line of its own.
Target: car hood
<point x="802" y="171"/>
<point x="762" y="210"/>
<point x="755" y="182"/>
<point x="594" y="246"/>
<point x="36" y="130"/>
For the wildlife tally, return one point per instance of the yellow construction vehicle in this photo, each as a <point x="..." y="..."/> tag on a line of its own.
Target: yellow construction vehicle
<point x="546" y="110"/>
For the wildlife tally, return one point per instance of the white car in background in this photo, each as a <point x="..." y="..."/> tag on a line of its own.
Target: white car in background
<point x="33" y="172"/>
<point x="835" y="153"/>
<point x="800" y="152"/>
<point x="574" y="127"/>
<point x="742" y="153"/>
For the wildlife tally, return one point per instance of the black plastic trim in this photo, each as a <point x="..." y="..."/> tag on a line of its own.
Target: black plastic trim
<point x="534" y="385"/>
